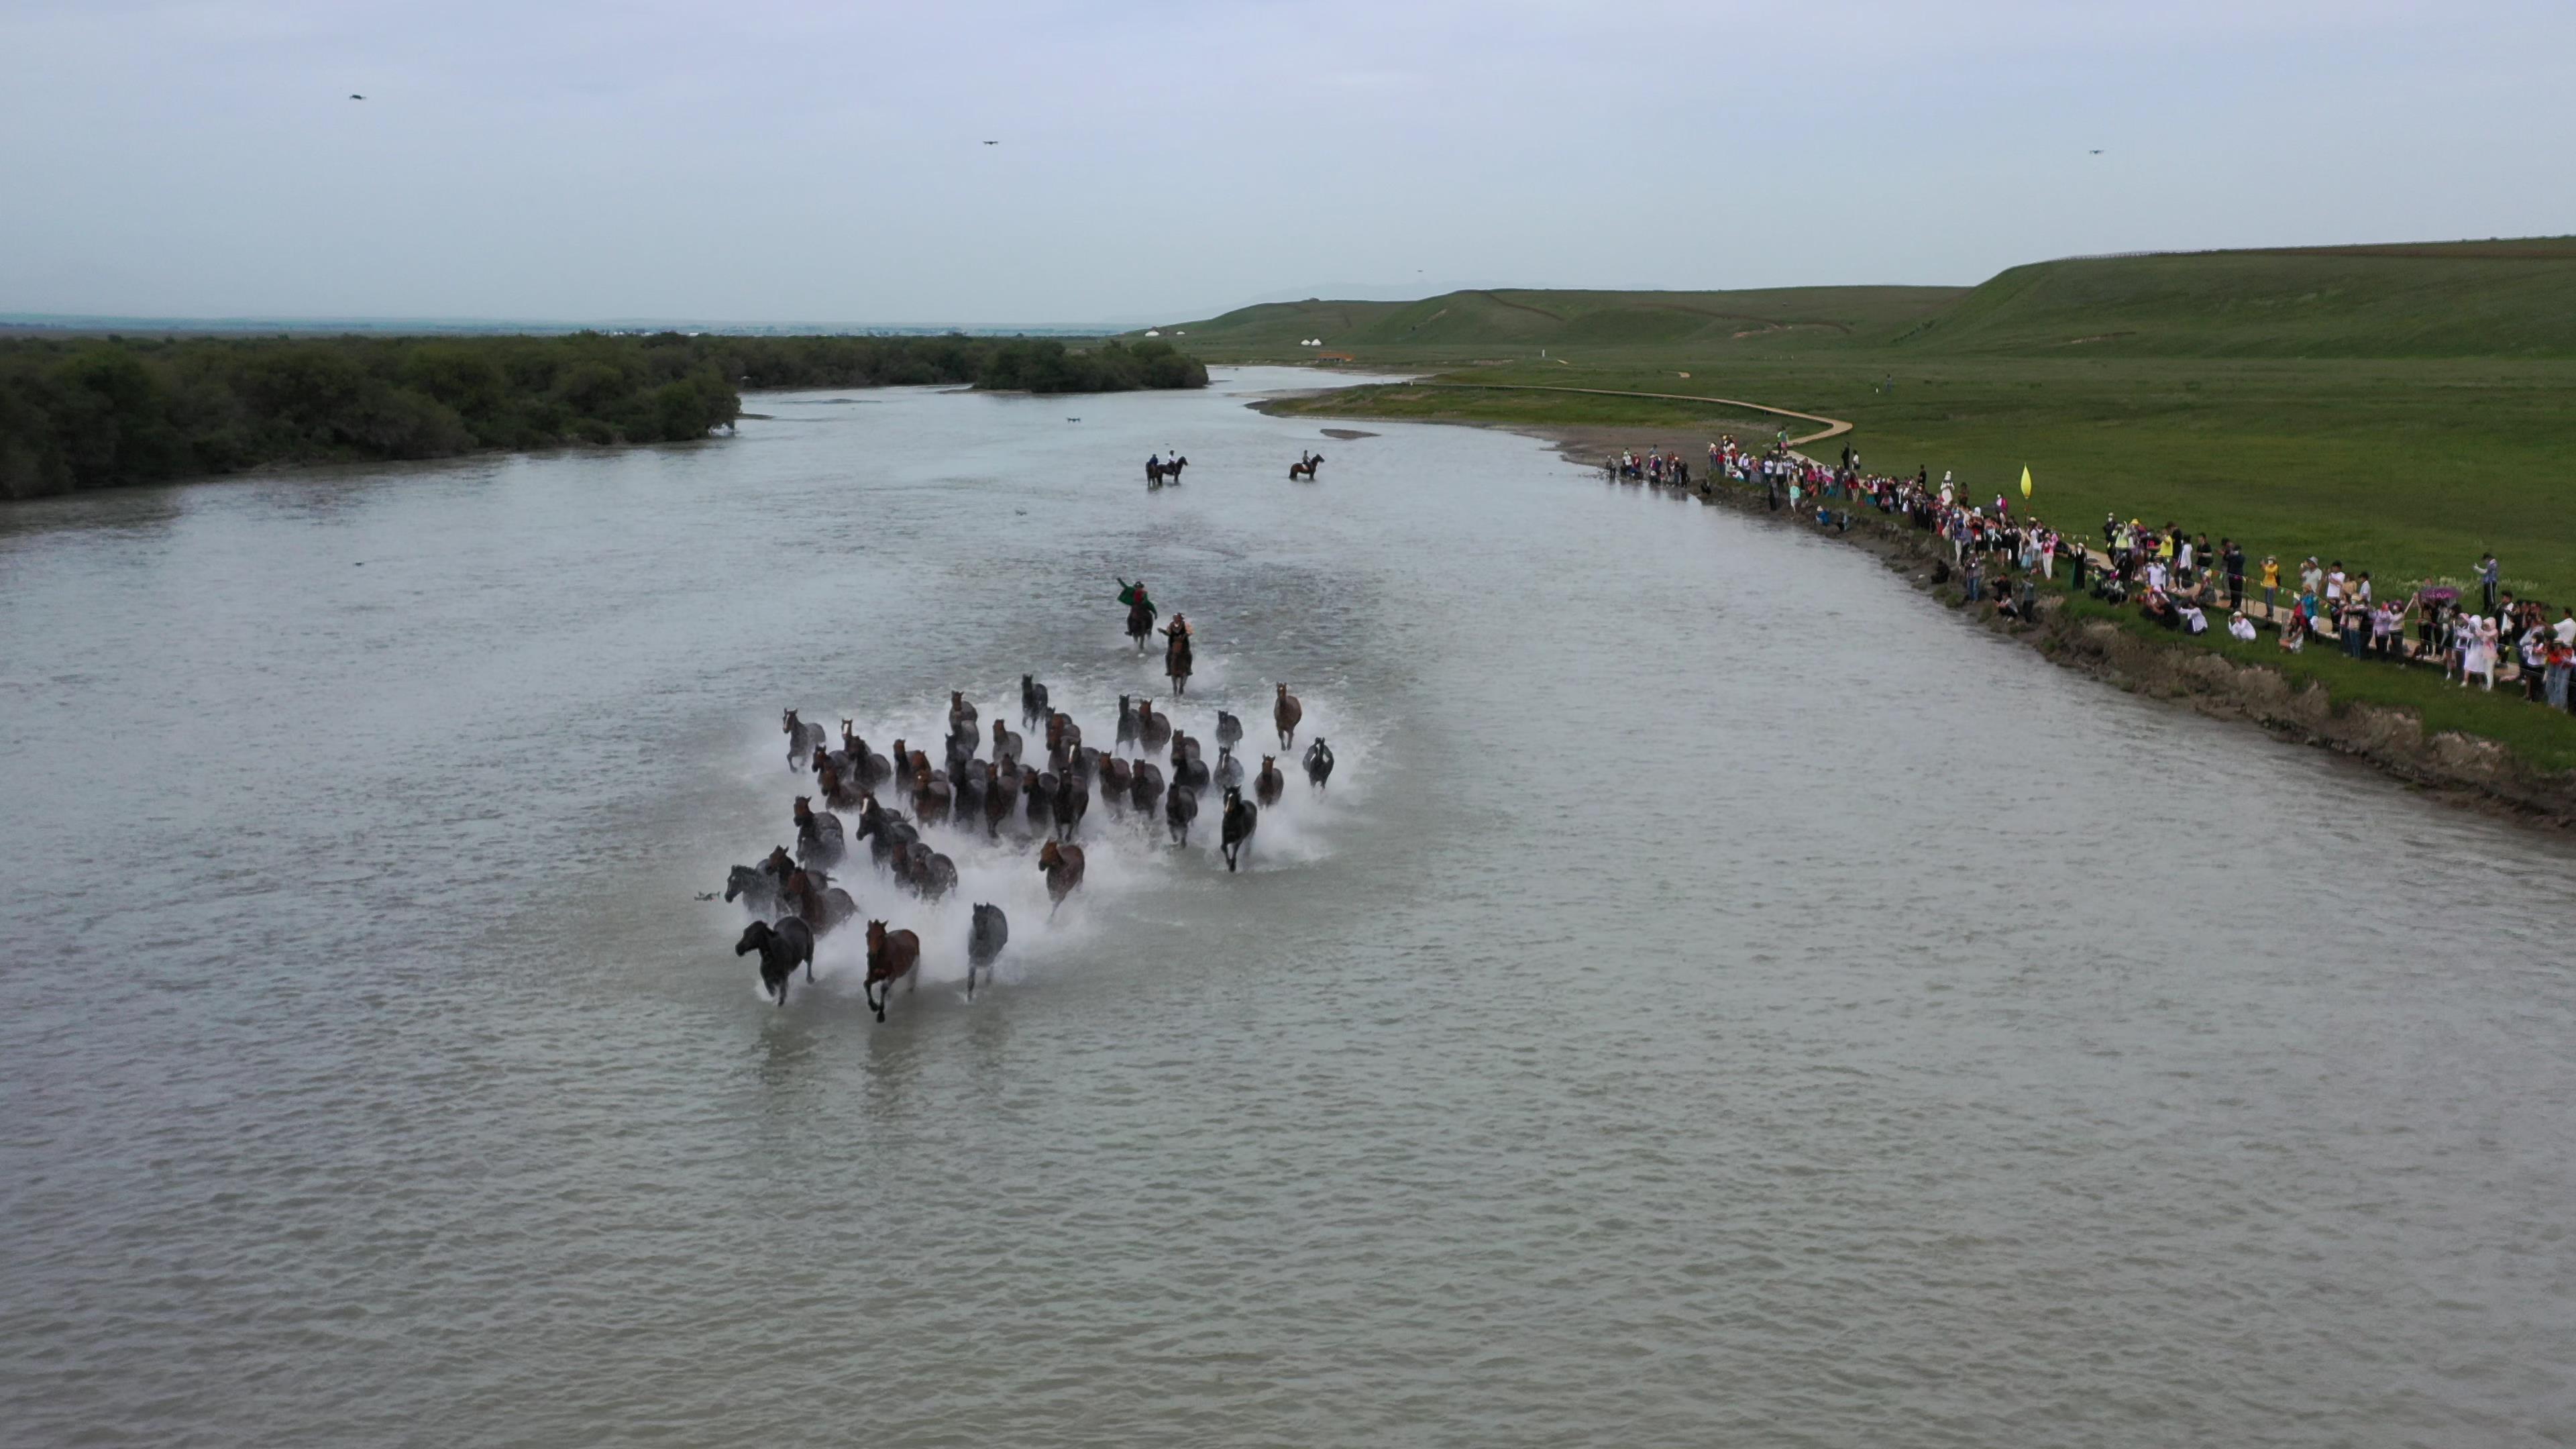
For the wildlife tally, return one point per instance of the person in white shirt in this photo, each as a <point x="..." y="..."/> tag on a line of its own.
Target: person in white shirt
<point x="2240" y="627"/>
<point x="2567" y="628"/>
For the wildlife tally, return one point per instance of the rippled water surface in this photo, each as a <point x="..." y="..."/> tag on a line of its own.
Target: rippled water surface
<point x="1721" y="999"/>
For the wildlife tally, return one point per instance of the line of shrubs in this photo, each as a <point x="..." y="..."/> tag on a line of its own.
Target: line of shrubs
<point x="102" y="412"/>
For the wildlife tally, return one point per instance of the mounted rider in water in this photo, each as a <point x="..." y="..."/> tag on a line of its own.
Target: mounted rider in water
<point x="1140" y="610"/>
<point x="1176" y="653"/>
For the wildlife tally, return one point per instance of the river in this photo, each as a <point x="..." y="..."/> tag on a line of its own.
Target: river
<point x="1721" y="998"/>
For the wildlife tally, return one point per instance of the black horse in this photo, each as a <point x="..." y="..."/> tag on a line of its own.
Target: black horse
<point x="783" y="948"/>
<point x="984" y="942"/>
<point x="1241" y="816"/>
<point x="1180" y="807"/>
<point x="1033" y="701"/>
<point x="1319" y="762"/>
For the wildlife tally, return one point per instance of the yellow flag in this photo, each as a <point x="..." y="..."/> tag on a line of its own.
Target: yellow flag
<point x="2025" y="480"/>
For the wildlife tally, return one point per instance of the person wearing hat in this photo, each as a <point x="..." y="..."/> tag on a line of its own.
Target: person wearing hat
<point x="1176" y="653"/>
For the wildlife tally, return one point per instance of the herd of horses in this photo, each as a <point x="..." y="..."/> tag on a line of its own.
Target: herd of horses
<point x="986" y="782"/>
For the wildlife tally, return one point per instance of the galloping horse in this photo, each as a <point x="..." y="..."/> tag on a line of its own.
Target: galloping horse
<point x="1319" y="762"/>
<point x="1176" y="657"/>
<point x="984" y="942"/>
<point x="783" y="948"/>
<point x="1062" y="865"/>
<point x="1269" y="785"/>
<point x="892" y="956"/>
<point x="1286" y="714"/>
<point x="1237" y="825"/>
<point x="1305" y="469"/>
<point x="801" y="739"/>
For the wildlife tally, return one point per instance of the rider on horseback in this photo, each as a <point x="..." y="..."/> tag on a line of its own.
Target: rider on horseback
<point x="1176" y="653"/>
<point x="1140" y="610"/>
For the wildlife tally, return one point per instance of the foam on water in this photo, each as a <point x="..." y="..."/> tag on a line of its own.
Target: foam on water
<point x="1128" y="855"/>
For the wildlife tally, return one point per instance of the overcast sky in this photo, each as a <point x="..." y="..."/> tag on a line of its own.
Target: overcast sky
<point x="754" y="160"/>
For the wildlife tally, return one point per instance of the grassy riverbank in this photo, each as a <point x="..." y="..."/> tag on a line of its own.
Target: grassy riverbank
<point x="99" y="412"/>
<point x="2400" y="409"/>
<point x="2403" y="409"/>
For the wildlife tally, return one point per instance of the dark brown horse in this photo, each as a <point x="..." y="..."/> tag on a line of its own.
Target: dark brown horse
<point x="961" y="711"/>
<point x="782" y="947"/>
<point x="1147" y="788"/>
<point x="818" y="835"/>
<point x="1116" y="778"/>
<point x="1037" y="789"/>
<point x="1286" y="714"/>
<point x="1006" y="745"/>
<point x="1072" y="802"/>
<point x="1306" y="469"/>
<point x="892" y="957"/>
<point x="1269" y="784"/>
<point x="837" y="790"/>
<point x="1001" y="792"/>
<point x="1153" y="731"/>
<point x="1062" y="865"/>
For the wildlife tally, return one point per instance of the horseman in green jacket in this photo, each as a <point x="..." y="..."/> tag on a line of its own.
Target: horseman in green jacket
<point x="1140" y="611"/>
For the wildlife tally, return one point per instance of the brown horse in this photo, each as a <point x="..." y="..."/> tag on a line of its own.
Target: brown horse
<point x="1116" y="777"/>
<point x="930" y="793"/>
<point x="1062" y="865"/>
<point x="892" y="957"/>
<point x="1286" y="714"/>
<point x="1006" y="745"/>
<point x="1153" y="731"/>
<point x="961" y="711"/>
<point x="1269" y="784"/>
<point x="802" y="894"/>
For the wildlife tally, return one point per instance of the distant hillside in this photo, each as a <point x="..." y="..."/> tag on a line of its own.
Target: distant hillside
<point x="1531" y="318"/>
<point x="2466" y="299"/>
<point x="2513" y="298"/>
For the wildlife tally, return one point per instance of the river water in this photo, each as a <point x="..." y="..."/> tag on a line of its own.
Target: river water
<point x="1722" y="998"/>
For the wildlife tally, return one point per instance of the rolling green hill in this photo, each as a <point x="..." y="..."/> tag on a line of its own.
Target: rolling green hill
<point x="2511" y="299"/>
<point x="2504" y="299"/>
<point x="1462" y="322"/>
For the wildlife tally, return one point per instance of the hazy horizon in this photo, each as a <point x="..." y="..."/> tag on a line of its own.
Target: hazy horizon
<point x="772" y="163"/>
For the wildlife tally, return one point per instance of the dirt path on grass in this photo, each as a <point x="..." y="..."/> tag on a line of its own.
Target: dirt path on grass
<point x="1830" y="427"/>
